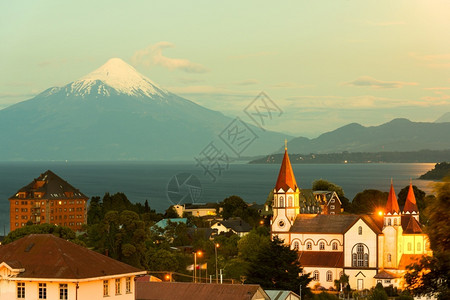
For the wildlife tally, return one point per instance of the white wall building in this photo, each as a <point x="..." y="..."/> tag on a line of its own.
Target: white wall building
<point x="42" y="266"/>
<point x="367" y="248"/>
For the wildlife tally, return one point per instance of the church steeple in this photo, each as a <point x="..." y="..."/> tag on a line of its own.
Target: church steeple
<point x="286" y="178"/>
<point x="410" y="204"/>
<point x="392" y="204"/>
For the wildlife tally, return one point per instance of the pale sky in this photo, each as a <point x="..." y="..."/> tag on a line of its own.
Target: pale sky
<point x="324" y="63"/>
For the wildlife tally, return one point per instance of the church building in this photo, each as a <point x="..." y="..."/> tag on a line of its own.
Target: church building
<point x="368" y="248"/>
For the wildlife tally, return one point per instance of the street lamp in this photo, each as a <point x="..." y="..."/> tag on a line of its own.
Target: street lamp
<point x="199" y="253"/>
<point x="216" y="245"/>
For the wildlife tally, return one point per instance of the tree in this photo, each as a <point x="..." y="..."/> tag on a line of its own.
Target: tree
<point x="431" y="275"/>
<point x="95" y="211"/>
<point x="59" y="231"/>
<point x="235" y="206"/>
<point x="369" y="201"/>
<point x="277" y="267"/>
<point x="171" y="213"/>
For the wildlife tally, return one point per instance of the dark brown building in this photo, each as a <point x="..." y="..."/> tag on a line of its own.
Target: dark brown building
<point x="48" y="199"/>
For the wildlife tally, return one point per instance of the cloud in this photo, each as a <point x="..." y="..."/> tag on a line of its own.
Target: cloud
<point x="433" y="60"/>
<point x="247" y="82"/>
<point x="152" y="55"/>
<point x="367" y="81"/>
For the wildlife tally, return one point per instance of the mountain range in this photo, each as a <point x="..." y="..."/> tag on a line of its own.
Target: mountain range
<point x="116" y="113"/>
<point x="396" y="135"/>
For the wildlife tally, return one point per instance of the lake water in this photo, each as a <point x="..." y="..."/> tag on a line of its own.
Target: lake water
<point x="149" y="180"/>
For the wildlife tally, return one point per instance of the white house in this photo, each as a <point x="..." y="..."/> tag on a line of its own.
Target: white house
<point x="368" y="248"/>
<point x="43" y="266"/>
<point x="235" y="225"/>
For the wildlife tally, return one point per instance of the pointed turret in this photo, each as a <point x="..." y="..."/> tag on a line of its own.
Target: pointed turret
<point x="392" y="204"/>
<point x="286" y="178"/>
<point x="410" y="204"/>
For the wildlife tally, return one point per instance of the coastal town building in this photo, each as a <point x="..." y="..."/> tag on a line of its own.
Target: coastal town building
<point x="48" y="199"/>
<point x="368" y="248"/>
<point x="235" y="225"/>
<point x="43" y="266"/>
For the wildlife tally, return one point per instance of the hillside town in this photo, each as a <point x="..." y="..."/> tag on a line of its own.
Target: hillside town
<point x="63" y="246"/>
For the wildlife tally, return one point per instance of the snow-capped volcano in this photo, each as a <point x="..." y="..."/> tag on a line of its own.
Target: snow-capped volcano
<point x="115" y="77"/>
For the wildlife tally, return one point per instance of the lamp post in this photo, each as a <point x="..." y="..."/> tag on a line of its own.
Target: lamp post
<point x="199" y="253"/>
<point x="216" y="245"/>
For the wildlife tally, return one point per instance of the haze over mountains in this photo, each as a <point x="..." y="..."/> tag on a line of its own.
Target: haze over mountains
<point x="114" y="113"/>
<point x="396" y="135"/>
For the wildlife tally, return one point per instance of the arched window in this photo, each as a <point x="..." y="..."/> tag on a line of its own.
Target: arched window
<point x="290" y="201"/>
<point x="316" y="275"/>
<point x="409" y="247"/>
<point x="308" y="246"/>
<point x="360" y="256"/>
<point x="296" y="246"/>
<point x="389" y="222"/>
<point x="395" y="222"/>
<point x="335" y="246"/>
<point x="329" y="276"/>
<point x="389" y="257"/>
<point x="322" y="246"/>
<point x="360" y="230"/>
<point x="419" y="247"/>
<point x="281" y="201"/>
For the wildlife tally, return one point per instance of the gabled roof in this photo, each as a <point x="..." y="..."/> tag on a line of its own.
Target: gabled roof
<point x="410" y="204"/>
<point x="52" y="186"/>
<point x="331" y="259"/>
<point x="47" y="256"/>
<point x="165" y="222"/>
<point x="385" y="275"/>
<point x="286" y="178"/>
<point x="410" y="225"/>
<point x="282" y="295"/>
<point x="392" y="203"/>
<point x="236" y="224"/>
<point x="312" y="223"/>
<point x="198" y="291"/>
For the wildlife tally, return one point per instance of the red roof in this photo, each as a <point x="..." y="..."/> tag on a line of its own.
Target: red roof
<point x="197" y="291"/>
<point x="47" y="256"/>
<point x="286" y="178"/>
<point x="392" y="204"/>
<point x="410" y="225"/>
<point x="331" y="259"/>
<point x="410" y="204"/>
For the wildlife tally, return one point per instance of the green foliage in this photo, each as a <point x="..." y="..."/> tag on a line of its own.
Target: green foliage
<point x="276" y="267"/>
<point x="235" y="206"/>
<point x="378" y="294"/>
<point x="324" y="185"/>
<point x="432" y="274"/>
<point x="59" y="231"/>
<point x="440" y="171"/>
<point x="253" y="240"/>
<point x="325" y="296"/>
<point x="369" y="201"/>
<point x="171" y="213"/>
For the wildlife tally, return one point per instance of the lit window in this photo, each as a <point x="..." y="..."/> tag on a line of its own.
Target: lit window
<point x="308" y="246"/>
<point x="63" y="292"/>
<point x="360" y="230"/>
<point x="21" y="290"/>
<point x="316" y="275"/>
<point x="389" y="257"/>
<point x="419" y="247"/>
<point x="329" y="276"/>
<point x="128" y="285"/>
<point x="105" y="288"/>
<point x="118" y="286"/>
<point x="42" y="291"/>
<point x="322" y="246"/>
<point x="335" y="246"/>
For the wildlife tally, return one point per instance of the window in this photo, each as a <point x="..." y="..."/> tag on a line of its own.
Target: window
<point x="329" y="276"/>
<point x="335" y="246"/>
<point x="395" y="222"/>
<point x="281" y="201"/>
<point x="389" y="222"/>
<point x="360" y="230"/>
<point x="389" y="257"/>
<point x="331" y="206"/>
<point x="21" y="290"/>
<point x="360" y="256"/>
<point x="419" y="247"/>
<point x="332" y="200"/>
<point x="409" y="247"/>
<point x="296" y="246"/>
<point x="63" y="293"/>
<point x="387" y="281"/>
<point x="128" y="285"/>
<point x="316" y="275"/>
<point x="322" y="246"/>
<point x="42" y="291"/>
<point x="290" y="202"/>
<point x="105" y="288"/>
<point x="118" y="286"/>
<point x="308" y="246"/>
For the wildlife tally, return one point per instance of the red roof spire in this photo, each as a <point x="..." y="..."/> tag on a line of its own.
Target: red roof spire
<point x="392" y="204"/>
<point x="286" y="178"/>
<point x="410" y="204"/>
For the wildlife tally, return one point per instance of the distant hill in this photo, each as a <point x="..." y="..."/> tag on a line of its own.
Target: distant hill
<point x="396" y="135"/>
<point x="116" y="113"/>
<point x="423" y="156"/>
<point x="444" y="118"/>
<point x="440" y="171"/>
